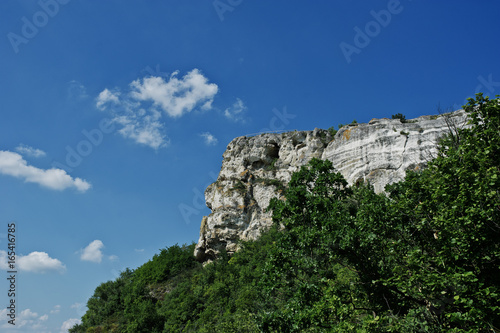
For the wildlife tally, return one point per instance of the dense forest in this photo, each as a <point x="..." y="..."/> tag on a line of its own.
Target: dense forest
<point x="423" y="257"/>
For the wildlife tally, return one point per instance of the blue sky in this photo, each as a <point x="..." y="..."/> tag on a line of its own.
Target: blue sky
<point x="115" y="114"/>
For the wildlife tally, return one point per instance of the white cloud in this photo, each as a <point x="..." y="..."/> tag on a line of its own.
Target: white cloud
<point x="76" y="305"/>
<point x="39" y="262"/>
<point x="4" y="260"/>
<point x="236" y="111"/>
<point x="56" y="309"/>
<point x="210" y="140"/>
<point x="80" y="308"/>
<point x="3" y="315"/>
<point x="137" y="123"/>
<point x="69" y="324"/>
<point x="176" y="96"/>
<point x="143" y="129"/>
<point x="113" y="257"/>
<point x="13" y="164"/>
<point x="27" y="319"/>
<point x="36" y="262"/>
<point x="139" y="112"/>
<point x="30" y="151"/>
<point x="77" y="91"/>
<point x="93" y="252"/>
<point x="139" y="250"/>
<point x="107" y="97"/>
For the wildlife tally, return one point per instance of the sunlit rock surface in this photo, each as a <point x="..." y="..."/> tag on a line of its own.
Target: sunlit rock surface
<point x="256" y="169"/>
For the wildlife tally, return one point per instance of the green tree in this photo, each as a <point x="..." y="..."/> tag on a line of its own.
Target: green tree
<point x="426" y="258"/>
<point x="106" y="304"/>
<point x="305" y="272"/>
<point x="453" y="208"/>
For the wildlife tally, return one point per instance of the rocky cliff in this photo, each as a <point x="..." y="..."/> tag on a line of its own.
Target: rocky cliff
<point x="256" y="169"/>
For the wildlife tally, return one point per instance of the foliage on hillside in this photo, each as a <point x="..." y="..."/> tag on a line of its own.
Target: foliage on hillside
<point x="424" y="258"/>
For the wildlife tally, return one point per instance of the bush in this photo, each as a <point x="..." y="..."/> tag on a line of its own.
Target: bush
<point x="399" y="116"/>
<point x="332" y="131"/>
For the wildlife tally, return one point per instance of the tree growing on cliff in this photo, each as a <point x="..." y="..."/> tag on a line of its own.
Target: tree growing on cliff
<point x="399" y="116"/>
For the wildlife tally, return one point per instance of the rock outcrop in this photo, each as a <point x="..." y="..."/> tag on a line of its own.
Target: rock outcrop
<point x="256" y="169"/>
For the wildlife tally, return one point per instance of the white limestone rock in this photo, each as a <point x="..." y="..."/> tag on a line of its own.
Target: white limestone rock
<point x="256" y="169"/>
<point x="381" y="151"/>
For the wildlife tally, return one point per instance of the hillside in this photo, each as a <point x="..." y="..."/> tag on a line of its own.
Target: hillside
<point x="335" y="254"/>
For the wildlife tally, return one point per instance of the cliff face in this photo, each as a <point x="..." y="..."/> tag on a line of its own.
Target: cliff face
<point x="256" y="169"/>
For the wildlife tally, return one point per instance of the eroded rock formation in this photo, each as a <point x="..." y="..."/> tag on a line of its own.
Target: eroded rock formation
<point x="256" y="169"/>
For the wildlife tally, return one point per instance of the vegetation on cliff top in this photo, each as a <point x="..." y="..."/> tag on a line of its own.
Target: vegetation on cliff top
<point x="424" y="258"/>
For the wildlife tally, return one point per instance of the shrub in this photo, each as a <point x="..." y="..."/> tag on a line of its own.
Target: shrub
<point x="399" y="116"/>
